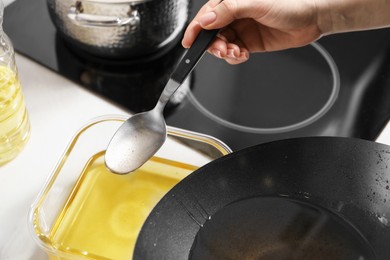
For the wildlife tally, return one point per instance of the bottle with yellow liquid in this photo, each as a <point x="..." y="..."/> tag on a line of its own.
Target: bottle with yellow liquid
<point x="14" y="121"/>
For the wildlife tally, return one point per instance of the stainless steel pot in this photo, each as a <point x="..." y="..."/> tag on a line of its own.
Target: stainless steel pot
<point x="120" y="28"/>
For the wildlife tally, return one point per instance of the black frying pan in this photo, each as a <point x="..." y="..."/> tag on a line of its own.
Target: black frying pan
<point x="304" y="198"/>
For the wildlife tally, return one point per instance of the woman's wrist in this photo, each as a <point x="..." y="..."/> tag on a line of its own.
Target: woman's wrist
<point x="352" y="15"/>
<point x="324" y="17"/>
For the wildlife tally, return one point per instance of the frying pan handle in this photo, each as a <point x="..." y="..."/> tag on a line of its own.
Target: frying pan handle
<point x="193" y="55"/>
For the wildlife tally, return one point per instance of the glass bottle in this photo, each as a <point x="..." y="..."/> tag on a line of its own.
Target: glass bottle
<point x="14" y="120"/>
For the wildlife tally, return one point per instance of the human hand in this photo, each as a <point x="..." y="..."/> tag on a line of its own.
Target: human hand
<point x="269" y="25"/>
<point x="254" y="26"/>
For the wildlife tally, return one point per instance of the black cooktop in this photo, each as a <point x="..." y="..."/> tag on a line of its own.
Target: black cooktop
<point x="339" y="86"/>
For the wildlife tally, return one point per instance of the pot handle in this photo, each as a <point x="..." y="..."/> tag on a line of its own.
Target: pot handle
<point x="89" y="20"/>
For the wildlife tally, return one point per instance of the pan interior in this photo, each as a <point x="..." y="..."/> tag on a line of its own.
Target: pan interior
<point x="278" y="228"/>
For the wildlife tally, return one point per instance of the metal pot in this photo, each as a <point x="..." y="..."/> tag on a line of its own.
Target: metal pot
<point x="120" y="28"/>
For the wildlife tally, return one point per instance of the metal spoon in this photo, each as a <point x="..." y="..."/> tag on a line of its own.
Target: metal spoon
<point x="142" y="135"/>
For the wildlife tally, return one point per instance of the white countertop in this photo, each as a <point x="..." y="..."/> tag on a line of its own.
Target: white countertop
<point x="57" y="109"/>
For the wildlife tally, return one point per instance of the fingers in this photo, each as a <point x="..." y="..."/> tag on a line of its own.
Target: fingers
<point x="224" y="47"/>
<point x="218" y="15"/>
<point x="213" y="15"/>
<point x="231" y="52"/>
<point x="192" y="31"/>
<point x="219" y="47"/>
<point x="195" y="27"/>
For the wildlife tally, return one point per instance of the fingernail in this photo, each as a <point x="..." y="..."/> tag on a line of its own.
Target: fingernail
<point x="216" y="53"/>
<point x="243" y="56"/>
<point x="184" y="45"/>
<point x="230" y="54"/>
<point x="207" y="18"/>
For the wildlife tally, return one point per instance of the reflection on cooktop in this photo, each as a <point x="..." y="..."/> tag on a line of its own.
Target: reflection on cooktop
<point x="136" y="85"/>
<point x="273" y="96"/>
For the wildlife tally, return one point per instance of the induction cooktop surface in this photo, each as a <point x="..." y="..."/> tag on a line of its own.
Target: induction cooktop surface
<point x="338" y="86"/>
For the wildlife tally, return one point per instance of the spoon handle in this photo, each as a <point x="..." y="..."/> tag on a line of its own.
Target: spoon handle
<point x="185" y="66"/>
<point x="193" y="55"/>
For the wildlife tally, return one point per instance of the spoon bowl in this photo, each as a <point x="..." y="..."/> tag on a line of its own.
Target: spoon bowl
<point x="146" y="130"/>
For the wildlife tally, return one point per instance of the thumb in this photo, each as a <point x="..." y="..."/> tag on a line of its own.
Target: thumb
<point x="226" y="12"/>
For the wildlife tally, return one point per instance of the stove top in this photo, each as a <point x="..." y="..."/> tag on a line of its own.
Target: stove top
<point x="338" y="86"/>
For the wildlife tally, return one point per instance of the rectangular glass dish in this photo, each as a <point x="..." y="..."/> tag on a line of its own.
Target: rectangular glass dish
<point x="86" y="212"/>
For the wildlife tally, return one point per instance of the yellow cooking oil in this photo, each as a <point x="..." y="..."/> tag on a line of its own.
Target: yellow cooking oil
<point x="105" y="212"/>
<point x="14" y="122"/>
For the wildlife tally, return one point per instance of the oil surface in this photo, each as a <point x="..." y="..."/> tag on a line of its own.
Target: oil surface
<point x="105" y="212"/>
<point x="278" y="228"/>
<point x="14" y="123"/>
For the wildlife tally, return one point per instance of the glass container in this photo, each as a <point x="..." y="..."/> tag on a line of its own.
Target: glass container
<point x="86" y="212"/>
<point x="14" y="121"/>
